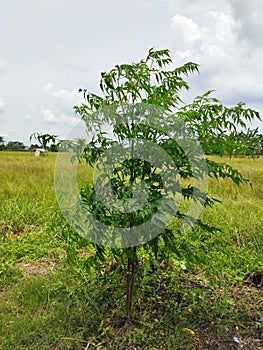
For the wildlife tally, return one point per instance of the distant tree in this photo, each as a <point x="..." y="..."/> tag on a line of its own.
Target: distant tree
<point x="79" y="145"/>
<point x="253" y="140"/>
<point x="243" y="143"/>
<point x="53" y="147"/>
<point x="15" y="146"/>
<point x="2" y="143"/>
<point x="76" y="145"/>
<point x="33" y="146"/>
<point x="44" y="139"/>
<point x="246" y="142"/>
<point x="260" y="144"/>
<point x="65" y="145"/>
<point x="80" y="141"/>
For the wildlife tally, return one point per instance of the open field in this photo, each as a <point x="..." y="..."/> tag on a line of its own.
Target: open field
<point x="45" y="304"/>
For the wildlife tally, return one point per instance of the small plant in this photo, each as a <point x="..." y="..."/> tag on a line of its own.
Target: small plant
<point x="152" y="158"/>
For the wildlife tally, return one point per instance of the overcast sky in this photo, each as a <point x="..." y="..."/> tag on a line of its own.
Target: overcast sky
<point x="50" y="48"/>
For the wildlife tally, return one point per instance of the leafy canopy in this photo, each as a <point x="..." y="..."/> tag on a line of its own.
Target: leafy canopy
<point x="141" y="105"/>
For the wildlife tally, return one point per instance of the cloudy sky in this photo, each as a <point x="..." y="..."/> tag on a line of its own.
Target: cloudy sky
<point x="50" y="48"/>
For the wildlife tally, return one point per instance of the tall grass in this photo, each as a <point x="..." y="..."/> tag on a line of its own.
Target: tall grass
<point x="45" y="305"/>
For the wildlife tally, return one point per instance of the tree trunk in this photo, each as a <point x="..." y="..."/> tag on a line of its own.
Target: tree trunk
<point x="130" y="277"/>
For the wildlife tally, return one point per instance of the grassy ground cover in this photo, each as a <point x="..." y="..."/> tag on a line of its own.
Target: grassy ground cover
<point x="45" y="304"/>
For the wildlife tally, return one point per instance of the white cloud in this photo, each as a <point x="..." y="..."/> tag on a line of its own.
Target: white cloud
<point x="28" y="117"/>
<point x="249" y="14"/>
<point x="211" y="36"/>
<point x="221" y="29"/>
<point x="60" y="119"/>
<point x="49" y="117"/>
<point x="67" y="98"/>
<point x="196" y="9"/>
<point x="70" y="97"/>
<point x="1" y="65"/>
<point x="48" y="88"/>
<point x="185" y="30"/>
<point x="1" y="104"/>
<point x="69" y="120"/>
<point x="33" y="108"/>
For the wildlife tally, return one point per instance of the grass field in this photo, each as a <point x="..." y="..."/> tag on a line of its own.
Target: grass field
<point x="45" y="304"/>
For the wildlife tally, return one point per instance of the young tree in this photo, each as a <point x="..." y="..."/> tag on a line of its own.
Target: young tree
<point x="151" y="157"/>
<point x="44" y="139"/>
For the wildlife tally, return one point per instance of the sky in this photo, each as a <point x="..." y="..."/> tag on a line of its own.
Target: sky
<point x="51" y="48"/>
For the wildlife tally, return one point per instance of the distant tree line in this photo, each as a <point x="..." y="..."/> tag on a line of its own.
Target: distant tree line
<point x="19" y="146"/>
<point x="245" y="143"/>
<point x="11" y="145"/>
<point x="249" y="143"/>
<point x="47" y="142"/>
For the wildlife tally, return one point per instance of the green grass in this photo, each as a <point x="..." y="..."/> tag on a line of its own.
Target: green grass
<point x="45" y="304"/>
